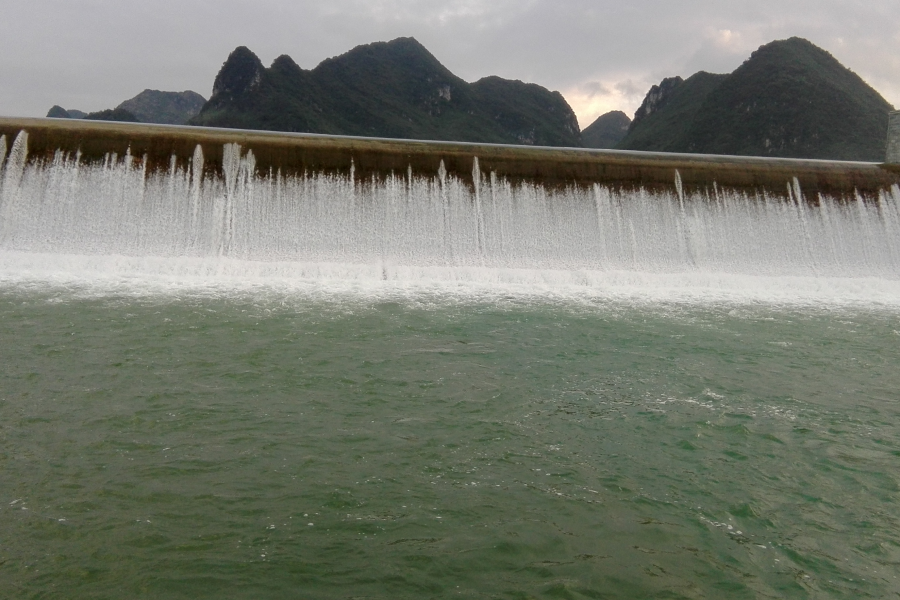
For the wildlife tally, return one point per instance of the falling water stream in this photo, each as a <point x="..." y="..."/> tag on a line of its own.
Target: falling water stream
<point x="419" y="229"/>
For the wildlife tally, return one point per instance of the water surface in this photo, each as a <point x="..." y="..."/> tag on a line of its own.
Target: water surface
<point x="283" y="446"/>
<point x="221" y="383"/>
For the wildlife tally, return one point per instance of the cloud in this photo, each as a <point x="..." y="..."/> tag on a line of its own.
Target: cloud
<point x="720" y="51"/>
<point x="591" y="99"/>
<point x="601" y="54"/>
<point x="595" y="88"/>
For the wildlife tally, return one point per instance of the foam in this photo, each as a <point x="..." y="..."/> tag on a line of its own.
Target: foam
<point x="161" y="275"/>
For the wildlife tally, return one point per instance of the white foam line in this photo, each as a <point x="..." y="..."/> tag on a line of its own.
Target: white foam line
<point x="175" y="275"/>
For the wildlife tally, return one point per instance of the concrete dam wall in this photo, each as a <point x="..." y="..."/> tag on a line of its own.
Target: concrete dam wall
<point x="893" y="141"/>
<point x="296" y="153"/>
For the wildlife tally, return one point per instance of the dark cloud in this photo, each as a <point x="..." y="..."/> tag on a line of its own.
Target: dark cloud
<point x="600" y="54"/>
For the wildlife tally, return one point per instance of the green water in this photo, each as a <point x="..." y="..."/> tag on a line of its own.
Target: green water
<point x="290" y="447"/>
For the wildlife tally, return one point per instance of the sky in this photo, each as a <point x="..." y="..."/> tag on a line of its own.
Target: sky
<point x="601" y="55"/>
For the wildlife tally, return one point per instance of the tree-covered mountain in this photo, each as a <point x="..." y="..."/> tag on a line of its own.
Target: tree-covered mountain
<point x="391" y="89"/>
<point x="789" y="99"/>
<point x="607" y="131"/>
<point x="664" y="120"/>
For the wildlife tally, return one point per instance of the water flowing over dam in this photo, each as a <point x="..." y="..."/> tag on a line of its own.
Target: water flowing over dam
<point x="203" y="218"/>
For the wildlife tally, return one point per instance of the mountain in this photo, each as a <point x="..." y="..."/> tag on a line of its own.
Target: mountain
<point x="391" y="89"/>
<point x="173" y="108"/>
<point x="789" y="99"/>
<point x="150" y="106"/>
<point x="607" y="131"/>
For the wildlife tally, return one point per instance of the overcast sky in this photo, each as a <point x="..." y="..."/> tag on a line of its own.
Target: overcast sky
<point x="602" y="55"/>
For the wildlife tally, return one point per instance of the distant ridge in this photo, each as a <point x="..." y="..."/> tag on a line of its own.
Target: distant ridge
<point x="58" y="112"/>
<point x="789" y="99"/>
<point x="391" y="89"/>
<point x="114" y="114"/>
<point x="170" y="108"/>
<point x="150" y="106"/>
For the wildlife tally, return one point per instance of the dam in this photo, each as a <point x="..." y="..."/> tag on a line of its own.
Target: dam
<point x="242" y="364"/>
<point x="118" y="197"/>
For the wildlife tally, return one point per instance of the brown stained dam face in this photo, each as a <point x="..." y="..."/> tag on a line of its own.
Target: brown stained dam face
<point x="299" y="153"/>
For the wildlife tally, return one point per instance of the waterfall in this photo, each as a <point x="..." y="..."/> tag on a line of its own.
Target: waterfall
<point x="487" y="228"/>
